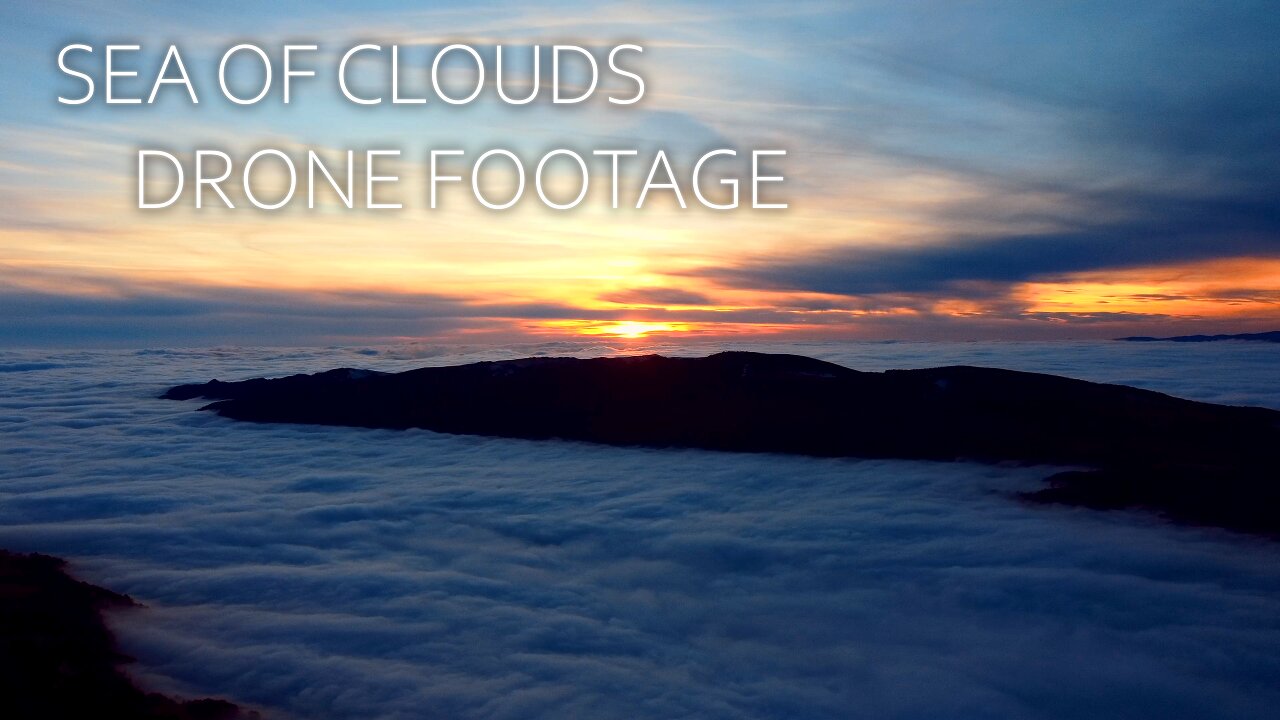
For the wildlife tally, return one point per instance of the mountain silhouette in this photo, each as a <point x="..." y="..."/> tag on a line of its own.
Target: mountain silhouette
<point x="1196" y="462"/>
<point x="58" y="659"/>
<point x="1272" y="336"/>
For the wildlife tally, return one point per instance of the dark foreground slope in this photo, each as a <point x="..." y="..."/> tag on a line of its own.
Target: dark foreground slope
<point x="58" y="660"/>
<point x="1197" y="462"/>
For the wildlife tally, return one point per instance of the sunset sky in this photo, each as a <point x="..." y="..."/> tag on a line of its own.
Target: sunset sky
<point x="989" y="170"/>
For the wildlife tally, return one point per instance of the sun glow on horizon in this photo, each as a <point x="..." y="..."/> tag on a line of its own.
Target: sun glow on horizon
<point x="628" y="329"/>
<point x="632" y="330"/>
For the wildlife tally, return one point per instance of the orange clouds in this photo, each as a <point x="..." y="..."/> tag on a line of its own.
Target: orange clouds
<point x="1214" y="288"/>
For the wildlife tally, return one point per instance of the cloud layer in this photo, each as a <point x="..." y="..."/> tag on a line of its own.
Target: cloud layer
<point x="340" y="573"/>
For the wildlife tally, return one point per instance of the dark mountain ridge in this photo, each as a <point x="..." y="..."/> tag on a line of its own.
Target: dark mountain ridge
<point x="1272" y="336"/>
<point x="1196" y="462"/>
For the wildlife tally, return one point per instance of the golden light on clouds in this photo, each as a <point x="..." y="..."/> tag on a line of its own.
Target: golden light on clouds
<point x="592" y="272"/>
<point x="1207" y="289"/>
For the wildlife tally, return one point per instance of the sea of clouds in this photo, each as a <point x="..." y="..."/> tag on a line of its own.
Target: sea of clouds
<point x="347" y="573"/>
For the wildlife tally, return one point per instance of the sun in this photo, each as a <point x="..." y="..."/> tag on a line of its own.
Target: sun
<point x="632" y="330"/>
<point x="626" y="329"/>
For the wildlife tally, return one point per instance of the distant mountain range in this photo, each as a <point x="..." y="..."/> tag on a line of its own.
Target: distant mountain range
<point x="1196" y="462"/>
<point x="1273" y="336"/>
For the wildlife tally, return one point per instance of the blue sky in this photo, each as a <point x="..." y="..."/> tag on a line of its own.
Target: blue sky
<point x="1048" y="169"/>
